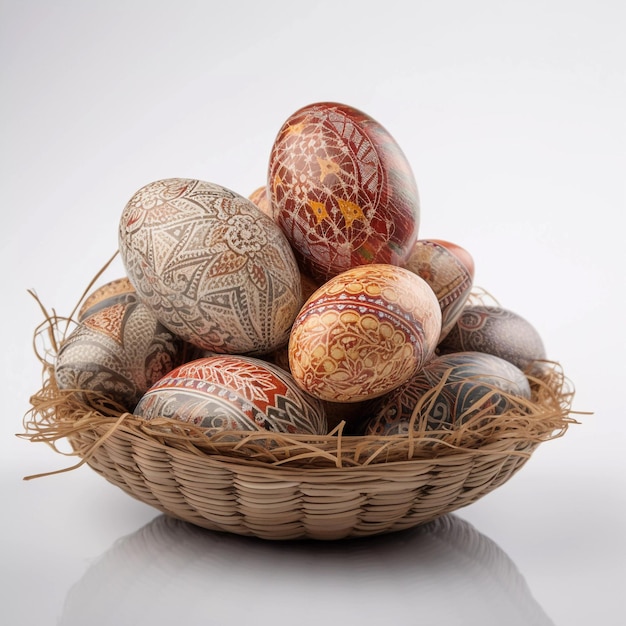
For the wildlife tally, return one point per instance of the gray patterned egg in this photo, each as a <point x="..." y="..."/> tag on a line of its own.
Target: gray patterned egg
<point x="117" y="352"/>
<point x="212" y="266"/>
<point x="495" y="330"/>
<point x="232" y="392"/>
<point x="449" y="391"/>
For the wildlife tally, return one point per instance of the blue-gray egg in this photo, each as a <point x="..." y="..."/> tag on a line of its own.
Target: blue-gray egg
<point x="495" y="330"/>
<point x="449" y="391"/>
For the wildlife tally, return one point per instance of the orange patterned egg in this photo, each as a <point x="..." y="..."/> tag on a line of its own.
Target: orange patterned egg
<point x="260" y="198"/>
<point x="118" y="290"/>
<point x="115" y="354"/>
<point x="363" y="333"/>
<point x="211" y="265"/>
<point x="232" y="392"/>
<point x="449" y="270"/>
<point x="342" y="189"/>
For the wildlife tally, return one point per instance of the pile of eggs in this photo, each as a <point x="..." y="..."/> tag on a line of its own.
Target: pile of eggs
<point x="310" y="301"/>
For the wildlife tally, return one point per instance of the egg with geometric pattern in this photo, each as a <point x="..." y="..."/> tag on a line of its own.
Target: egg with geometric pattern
<point x="449" y="270"/>
<point x="116" y="353"/>
<point x="233" y="392"/>
<point x="213" y="267"/>
<point x="449" y="391"/>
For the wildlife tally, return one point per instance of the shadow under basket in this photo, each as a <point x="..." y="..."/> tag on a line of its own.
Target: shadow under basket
<point x="282" y="487"/>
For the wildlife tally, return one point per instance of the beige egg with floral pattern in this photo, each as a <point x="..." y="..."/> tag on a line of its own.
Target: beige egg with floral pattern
<point x="363" y="333"/>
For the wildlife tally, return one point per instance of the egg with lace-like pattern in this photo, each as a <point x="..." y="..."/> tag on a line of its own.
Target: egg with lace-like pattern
<point x="342" y="189"/>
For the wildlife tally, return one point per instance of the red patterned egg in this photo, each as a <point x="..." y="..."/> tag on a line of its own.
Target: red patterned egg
<point x="447" y="392"/>
<point x="112" y="292"/>
<point x="117" y="352"/>
<point x="231" y="392"/>
<point x="449" y="270"/>
<point x="495" y="330"/>
<point x="363" y="333"/>
<point x="343" y="190"/>
<point x="211" y="265"/>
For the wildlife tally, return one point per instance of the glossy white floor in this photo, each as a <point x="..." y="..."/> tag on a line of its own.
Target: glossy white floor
<point x="511" y="115"/>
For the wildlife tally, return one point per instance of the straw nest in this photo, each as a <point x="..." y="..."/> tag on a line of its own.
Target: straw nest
<point x="276" y="486"/>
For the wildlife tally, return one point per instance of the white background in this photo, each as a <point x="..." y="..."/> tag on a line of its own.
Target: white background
<point x="512" y="117"/>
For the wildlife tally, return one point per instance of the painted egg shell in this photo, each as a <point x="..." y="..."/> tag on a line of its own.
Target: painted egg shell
<point x="343" y="190"/>
<point x="119" y="352"/>
<point x="349" y="412"/>
<point x="260" y="198"/>
<point x="449" y="270"/>
<point x="231" y="392"/>
<point x="363" y="333"/>
<point x="212" y="266"/>
<point x="495" y="330"/>
<point x="447" y="392"/>
<point x="119" y="290"/>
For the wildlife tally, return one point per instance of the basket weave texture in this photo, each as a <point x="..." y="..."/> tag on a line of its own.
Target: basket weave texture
<point x="293" y="487"/>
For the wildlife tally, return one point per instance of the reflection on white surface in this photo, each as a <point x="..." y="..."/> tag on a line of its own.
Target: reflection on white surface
<point x="444" y="572"/>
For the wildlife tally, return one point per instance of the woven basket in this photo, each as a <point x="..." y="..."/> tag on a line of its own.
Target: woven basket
<point x="292" y="487"/>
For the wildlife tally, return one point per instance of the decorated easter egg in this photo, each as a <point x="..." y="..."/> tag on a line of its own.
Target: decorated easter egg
<point x="449" y="270"/>
<point x="259" y="198"/>
<point x="449" y="390"/>
<point x="117" y="353"/>
<point x="343" y="190"/>
<point x="349" y="412"/>
<point x="495" y="330"/>
<point x="211" y="265"/>
<point x="232" y="392"/>
<point x="363" y="333"/>
<point x="112" y="292"/>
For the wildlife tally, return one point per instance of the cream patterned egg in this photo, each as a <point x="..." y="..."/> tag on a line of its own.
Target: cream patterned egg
<point x="211" y="265"/>
<point x="115" y="354"/>
<point x="449" y="270"/>
<point x="232" y="392"/>
<point x="448" y="391"/>
<point x="342" y="189"/>
<point x="363" y="333"/>
<point x="495" y="330"/>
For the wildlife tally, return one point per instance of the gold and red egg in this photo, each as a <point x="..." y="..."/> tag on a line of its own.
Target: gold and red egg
<point x="363" y="333"/>
<point x="314" y="291"/>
